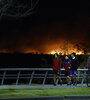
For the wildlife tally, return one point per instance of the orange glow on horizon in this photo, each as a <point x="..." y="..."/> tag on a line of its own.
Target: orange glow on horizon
<point x="52" y="52"/>
<point x="53" y="48"/>
<point x="61" y="52"/>
<point x="77" y="52"/>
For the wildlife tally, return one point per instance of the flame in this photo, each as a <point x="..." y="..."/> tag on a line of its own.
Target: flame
<point x="66" y="49"/>
<point x="62" y="52"/>
<point x="53" y="52"/>
<point x="79" y="53"/>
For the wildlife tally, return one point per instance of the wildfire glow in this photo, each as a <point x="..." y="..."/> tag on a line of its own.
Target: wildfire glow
<point x="53" y="52"/>
<point x="58" y="51"/>
<point x="63" y="49"/>
<point x="79" y="53"/>
<point x="61" y="52"/>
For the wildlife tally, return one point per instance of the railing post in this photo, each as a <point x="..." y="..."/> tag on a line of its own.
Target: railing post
<point x="31" y="77"/>
<point x="18" y="77"/>
<point x="45" y="77"/>
<point x="3" y="77"/>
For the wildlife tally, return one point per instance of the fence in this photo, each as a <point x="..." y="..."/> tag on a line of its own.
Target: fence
<point x="16" y="74"/>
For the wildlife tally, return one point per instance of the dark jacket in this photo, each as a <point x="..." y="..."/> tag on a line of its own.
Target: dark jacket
<point x="74" y="64"/>
<point x="88" y="63"/>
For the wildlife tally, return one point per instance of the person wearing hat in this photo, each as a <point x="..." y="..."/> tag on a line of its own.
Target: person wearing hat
<point x="74" y="67"/>
<point x="56" y="68"/>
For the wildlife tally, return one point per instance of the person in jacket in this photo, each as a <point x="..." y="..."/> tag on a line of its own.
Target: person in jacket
<point x="88" y="64"/>
<point x="74" y="67"/>
<point x="67" y="66"/>
<point x="56" y="68"/>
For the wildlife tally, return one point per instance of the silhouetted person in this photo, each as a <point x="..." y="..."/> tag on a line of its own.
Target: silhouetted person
<point x="88" y="64"/>
<point x="56" y="68"/>
<point x="67" y="66"/>
<point x="74" y="67"/>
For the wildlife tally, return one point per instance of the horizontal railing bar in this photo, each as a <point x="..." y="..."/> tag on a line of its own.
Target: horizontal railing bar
<point x="35" y="69"/>
<point x="10" y="78"/>
<point x="10" y="74"/>
<point x="34" y="74"/>
<point x="33" y="78"/>
<point x="30" y="77"/>
<point x="41" y="75"/>
<point x="31" y="74"/>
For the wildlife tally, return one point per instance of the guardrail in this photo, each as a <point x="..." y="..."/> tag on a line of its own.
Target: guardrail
<point x="32" y="73"/>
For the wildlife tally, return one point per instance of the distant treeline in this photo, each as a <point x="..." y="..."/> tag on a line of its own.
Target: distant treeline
<point x="21" y="60"/>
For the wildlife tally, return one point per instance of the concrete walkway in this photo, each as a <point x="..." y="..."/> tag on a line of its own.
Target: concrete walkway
<point x="41" y="86"/>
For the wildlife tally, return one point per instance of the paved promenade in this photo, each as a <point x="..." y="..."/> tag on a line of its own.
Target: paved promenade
<point x="41" y="86"/>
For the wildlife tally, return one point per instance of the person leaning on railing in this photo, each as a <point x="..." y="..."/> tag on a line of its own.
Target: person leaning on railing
<point x="56" y="68"/>
<point x="67" y="66"/>
<point x="88" y="64"/>
<point x="74" y="67"/>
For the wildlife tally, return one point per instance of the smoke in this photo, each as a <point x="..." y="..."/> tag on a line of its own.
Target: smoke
<point x="43" y="37"/>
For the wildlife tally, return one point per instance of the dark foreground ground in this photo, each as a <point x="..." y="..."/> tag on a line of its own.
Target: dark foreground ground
<point x="86" y="97"/>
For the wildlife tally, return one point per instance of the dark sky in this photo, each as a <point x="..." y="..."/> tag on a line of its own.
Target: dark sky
<point x="52" y="23"/>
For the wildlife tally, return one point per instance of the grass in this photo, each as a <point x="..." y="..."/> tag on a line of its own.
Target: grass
<point x="26" y="93"/>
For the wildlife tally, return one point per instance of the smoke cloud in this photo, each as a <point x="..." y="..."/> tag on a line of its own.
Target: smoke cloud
<point x="44" y="32"/>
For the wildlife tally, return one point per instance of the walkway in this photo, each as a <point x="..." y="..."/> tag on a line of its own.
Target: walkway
<point x="40" y="86"/>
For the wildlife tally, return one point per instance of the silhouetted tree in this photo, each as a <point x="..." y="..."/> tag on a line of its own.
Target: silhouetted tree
<point x="17" y="8"/>
<point x="82" y="46"/>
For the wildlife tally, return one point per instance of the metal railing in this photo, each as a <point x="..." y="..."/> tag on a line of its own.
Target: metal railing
<point x="32" y="73"/>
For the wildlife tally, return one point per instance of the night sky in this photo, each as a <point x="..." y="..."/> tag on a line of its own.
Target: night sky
<point x="51" y="24"/>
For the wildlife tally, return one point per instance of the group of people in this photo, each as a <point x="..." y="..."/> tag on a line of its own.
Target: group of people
<point x="70" y="64"/>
